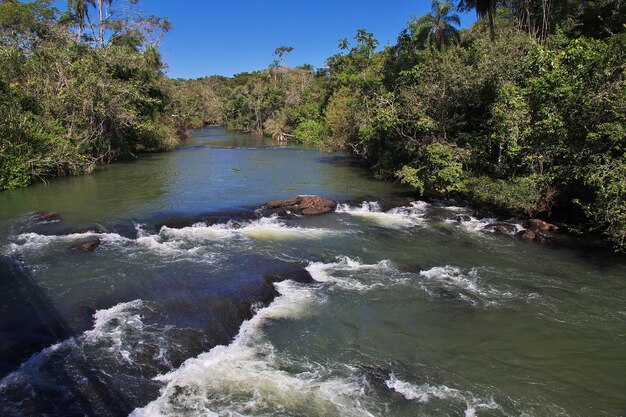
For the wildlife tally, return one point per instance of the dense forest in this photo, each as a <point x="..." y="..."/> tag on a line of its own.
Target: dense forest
<point x="524" y="111"/>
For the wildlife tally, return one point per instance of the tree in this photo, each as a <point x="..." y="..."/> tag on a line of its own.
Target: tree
<point x="438" y="25"/>
<point x="79" y="9"/>
<point x="483" y="8"/>
<point x="280" y="52"/>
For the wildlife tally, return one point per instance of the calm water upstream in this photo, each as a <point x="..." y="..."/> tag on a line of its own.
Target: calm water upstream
<point x="196" y="305"/>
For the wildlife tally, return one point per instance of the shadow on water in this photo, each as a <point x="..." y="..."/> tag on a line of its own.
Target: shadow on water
<point x="28" y="323"/>
<point x="109" y="370"/>
<point x="28" y="320"/>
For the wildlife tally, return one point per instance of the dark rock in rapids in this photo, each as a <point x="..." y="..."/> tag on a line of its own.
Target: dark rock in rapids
<point x="47" y="216"/>
<point x="463" y="218"/>
<point x="502" y="228"/>
<point x="538" y="225"/>
<point x="299" y="275"/>
<point x="439" y="214"/>
<point x="533" y="236"/>
<point x="375" y="377"/>
<point x="529" y="235"/>
<point x="179" y="221"/>
<point x="309" y="205"/>
<point x="88" y="246"/>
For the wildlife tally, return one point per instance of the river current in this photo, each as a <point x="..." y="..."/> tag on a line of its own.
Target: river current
<point x="196" y="304"/>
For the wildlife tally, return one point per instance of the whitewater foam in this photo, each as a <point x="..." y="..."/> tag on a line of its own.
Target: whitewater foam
<point x="341" y="274"/>
<point x="397" y="218"/>
<point x="249" y="377"/>
<point x="194" y="242"/>
<point x="426" y="392"/>
<point x="466" y="286"/>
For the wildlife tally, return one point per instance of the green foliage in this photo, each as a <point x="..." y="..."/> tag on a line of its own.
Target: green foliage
<point x="69" y="104"/>
<point x="412" y="177"/>
<point x="439" y="170"/>
<point x="528" y="195"/>
<point x="608" y="207"/>
<point x="310" y="131"/>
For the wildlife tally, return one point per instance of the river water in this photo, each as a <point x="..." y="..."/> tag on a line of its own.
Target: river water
<point x="195" y="304"/>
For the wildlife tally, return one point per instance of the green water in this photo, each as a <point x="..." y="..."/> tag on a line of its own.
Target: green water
<point x="410" y="316"/>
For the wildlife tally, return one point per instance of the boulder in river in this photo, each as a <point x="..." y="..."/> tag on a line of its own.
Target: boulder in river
<point x="502" y="228"/>
<point x="47" y="216"/>
<point x="88" y="246"/>
<point x="308" y="205"/>
<point x="533" y="236"/>
<point x="538" y="225"/>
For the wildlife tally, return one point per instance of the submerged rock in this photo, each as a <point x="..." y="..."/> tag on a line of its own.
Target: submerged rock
<point x="88" y="246"/>
<point x="179" y="221"/>
<point x="463" y="218"/>
<point x="533" y="236"/>
<point x="299" y="275"/>
<point x="501" y="227"/>
<point x="308" y="205"/>
<point x="47" y="216"/>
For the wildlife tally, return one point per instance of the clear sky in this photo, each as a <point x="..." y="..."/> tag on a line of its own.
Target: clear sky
<point x="228" y="36"/>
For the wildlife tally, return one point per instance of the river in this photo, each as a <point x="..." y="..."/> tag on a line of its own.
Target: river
<point x="194" y="304"/>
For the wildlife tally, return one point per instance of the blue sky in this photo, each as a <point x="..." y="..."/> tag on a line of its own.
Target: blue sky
<point x="228" y="37"/>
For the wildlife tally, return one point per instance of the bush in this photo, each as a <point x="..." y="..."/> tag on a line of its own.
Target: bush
<point x="310" y="131"/>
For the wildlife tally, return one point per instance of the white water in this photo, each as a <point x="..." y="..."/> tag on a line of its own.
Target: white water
<point x="248" y="377"/>
<point x="397" y="218"/>
<point x="426" y="392"/>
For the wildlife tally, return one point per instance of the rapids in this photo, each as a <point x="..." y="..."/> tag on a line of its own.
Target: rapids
<point x="196" y="304"/>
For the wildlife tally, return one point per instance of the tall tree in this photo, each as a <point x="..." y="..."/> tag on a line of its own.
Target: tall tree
<point x="281" y="52"/>
<point x="80" y="10"/>
<point x="102" y="19"/>
<point x="483" y="8"/>
<point x="438" y="26"/>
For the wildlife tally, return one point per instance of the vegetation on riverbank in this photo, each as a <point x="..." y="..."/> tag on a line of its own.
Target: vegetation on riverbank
<point x="525" y="110"/>
<point x="79" y="88"/>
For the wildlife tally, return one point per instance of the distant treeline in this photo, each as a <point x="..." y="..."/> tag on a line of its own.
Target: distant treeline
<point x="524" y="111"/>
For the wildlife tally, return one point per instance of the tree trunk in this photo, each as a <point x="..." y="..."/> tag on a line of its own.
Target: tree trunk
<point x="101" y="21"/>
<point x="492" y="28"/>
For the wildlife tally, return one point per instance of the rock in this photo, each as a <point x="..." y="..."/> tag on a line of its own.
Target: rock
<point x="47" y="216"/>
<point x="463" y="218"/>
<point x="299" y="275"/>
<point x="308" y="205"/>
<point x="533" y="236"/>
<point x="503" y="228"/>
<point x="541" y="226"/>
<point x="439" y="214"/>
<point x="89" y="246"/>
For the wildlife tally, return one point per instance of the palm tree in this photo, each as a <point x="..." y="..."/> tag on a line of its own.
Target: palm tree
<point x="80" y="9"/>
<point x="483" y="8"/>
<point x="438" y="26"/>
